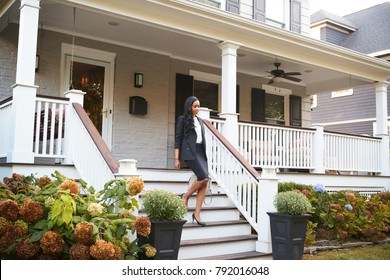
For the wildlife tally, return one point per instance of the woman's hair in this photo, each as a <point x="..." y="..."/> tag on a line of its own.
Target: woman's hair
<point x="187" y="115"/>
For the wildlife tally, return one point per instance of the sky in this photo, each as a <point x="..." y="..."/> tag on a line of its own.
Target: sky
<point x="342" y="7"/>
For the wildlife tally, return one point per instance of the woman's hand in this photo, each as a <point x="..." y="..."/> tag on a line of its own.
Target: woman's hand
<point x="177" y="164"/>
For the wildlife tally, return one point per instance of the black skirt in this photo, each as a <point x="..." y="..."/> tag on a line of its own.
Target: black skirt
<point x="199" y="165"/>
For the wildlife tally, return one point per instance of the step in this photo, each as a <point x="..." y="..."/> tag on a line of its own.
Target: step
<point x="218" y="213"/>
<point x="214" y="200"/>
<point x="176" y="186"/>
<point x="199" y="248"/>
<point x="253" y="255"/>
<point x="215" y="229"/>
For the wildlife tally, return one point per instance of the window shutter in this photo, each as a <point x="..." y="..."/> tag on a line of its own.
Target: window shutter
<point x="295" y="110"/>
<point x="184" y="89"/>
<point x="258" y="105"/>
<point x="295" y="16"/>
<point x="259" y="10"/>
<point x="233" y="6"/>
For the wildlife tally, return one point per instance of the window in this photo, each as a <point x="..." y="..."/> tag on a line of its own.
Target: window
<point x="341" y="93"/>
<point x="213" y="3"/>
<point x="274" y="108"/>
<point x="277" y="12"/>
<point x="207" y="93"/>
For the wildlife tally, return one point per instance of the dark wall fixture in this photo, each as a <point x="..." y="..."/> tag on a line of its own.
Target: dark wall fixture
<point x="138" y="105"/>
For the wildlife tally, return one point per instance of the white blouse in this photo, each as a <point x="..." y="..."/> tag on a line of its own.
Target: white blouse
<point x="198" y="131"/>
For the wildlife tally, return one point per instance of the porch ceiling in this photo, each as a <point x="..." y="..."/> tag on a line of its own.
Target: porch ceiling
<point x="167" y="27"/>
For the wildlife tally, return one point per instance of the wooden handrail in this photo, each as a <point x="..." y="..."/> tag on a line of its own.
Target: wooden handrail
<point x="97" y="138"/>
<point x="232" y="150"/>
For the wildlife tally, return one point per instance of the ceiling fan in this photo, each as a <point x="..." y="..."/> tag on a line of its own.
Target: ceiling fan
<point x="279" y="73"/>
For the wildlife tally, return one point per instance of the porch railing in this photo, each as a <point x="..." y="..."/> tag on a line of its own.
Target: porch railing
<point x="5" y="126"/>
<point x="265" y="145"/>
<point x="64" y="133"/>
<point x="351" y="152"/>
<point x="282" y="147"/>
<point x="49" y="128"/>
<point x="237" y="177"/>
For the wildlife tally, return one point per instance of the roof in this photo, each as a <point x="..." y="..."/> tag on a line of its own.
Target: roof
<point x="322" y="15"/>
<point x="369" y="28"/>
<point x="373" y="32"/>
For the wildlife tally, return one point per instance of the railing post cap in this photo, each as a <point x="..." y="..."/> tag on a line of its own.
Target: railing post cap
<point x="127" y="168"/>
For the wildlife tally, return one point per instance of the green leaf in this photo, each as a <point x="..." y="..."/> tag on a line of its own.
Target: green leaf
<point x="42" y="224"/>
<point x="37" y="235"/>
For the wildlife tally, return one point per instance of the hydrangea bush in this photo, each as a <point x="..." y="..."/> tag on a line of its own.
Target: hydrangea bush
<point x="344" y="215"/>
<point x="60" y="218"/>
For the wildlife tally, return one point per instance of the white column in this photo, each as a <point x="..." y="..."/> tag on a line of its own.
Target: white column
<point x="70" y="139"/>
<point x="318" y="149"/>
<point x="24" y="90"/>
<point x="127" y="169"/>
<point x="204" y="113"/>
<point x="268" y="188"/>
<point x="382" y="130"/>
<point x="229" y="85"/>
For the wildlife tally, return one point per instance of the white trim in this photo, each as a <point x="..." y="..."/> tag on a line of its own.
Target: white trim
<point x="103" y="58"/>
<point x="350" y="121"/>
<point x="341" y="93"/>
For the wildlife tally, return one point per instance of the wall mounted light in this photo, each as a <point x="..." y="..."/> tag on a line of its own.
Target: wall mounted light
<point x="36" y="63"/>
<point x="138" y="80"/>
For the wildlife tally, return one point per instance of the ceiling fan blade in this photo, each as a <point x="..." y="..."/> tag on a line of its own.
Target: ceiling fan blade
<point x="292" y="79"/>
<point x="271" y="81"/>
<point x="292" y="73"/>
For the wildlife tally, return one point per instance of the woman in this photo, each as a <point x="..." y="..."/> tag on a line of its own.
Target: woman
<point x="190" y="146"/>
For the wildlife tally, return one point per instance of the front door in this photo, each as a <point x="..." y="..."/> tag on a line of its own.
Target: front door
<point x="92" y="76"/>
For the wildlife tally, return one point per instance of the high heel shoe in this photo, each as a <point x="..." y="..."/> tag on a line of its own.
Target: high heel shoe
<point x="199" y="223"/>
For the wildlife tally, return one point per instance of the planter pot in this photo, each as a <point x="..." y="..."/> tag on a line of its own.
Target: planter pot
<point x="288" y="233"/>
<point x="165" y="236"/>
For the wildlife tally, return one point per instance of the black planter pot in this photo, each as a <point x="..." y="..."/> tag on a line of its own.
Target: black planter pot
<point x="165" y="236"/>
<point x="288" y="233"/>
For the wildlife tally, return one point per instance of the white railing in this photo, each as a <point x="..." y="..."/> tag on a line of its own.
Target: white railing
<point x="5" y="127"/>
<point x="49" y="127"/>
<point x="239" y="181"/>
<point x="217" y="123"/>
<point x="276" y="146"/>
<point x="83" y="150"/>
<point x="351" y="152"/>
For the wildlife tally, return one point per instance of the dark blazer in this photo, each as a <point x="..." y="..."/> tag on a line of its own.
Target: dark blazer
<point x="187" y="146"/>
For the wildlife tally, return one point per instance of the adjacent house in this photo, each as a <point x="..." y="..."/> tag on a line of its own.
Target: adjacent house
<point x="93" y="89"/>
<point x="352" y="110"/>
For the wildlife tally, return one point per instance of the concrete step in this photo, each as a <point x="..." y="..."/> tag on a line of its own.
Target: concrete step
<point x="208" y="247"/>
<point x="215" y="229"/>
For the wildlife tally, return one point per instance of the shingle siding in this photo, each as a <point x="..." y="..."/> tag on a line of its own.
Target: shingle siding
<point x="332" y="36"/>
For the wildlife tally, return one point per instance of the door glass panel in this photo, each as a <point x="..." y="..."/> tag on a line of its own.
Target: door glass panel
<point x="90" y="79"/>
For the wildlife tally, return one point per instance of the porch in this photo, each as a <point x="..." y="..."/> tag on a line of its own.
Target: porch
<point x="284" y="149"/>
<point x="42" y="133"/>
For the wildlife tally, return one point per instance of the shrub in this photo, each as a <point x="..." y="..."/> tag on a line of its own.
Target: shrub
<point x="163" y="205"/>
<point x="41" y="218"/>
<point x="292" y="203"/>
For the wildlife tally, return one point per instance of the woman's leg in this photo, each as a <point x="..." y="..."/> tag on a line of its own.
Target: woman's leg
<point x="200" y="198"/>
<point x="201" y="188"/>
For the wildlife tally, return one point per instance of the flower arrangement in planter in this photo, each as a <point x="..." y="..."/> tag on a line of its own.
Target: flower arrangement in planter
<point x="166" y="212"/>
<point x="288" y="225"/>
<point x="41" y="218"/>
<point x="292" y="203"/>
